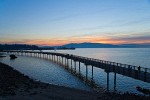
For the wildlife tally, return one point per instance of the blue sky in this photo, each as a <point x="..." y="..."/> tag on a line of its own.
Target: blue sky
<point x="56" y="22"/>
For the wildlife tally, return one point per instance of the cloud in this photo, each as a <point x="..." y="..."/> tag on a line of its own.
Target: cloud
<point x="78" y="14"/>
<point x="139" y="21"/>
<point x="115" y="38"/>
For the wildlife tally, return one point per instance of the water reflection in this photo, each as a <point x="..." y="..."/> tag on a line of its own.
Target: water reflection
<point x="45" y="71"/>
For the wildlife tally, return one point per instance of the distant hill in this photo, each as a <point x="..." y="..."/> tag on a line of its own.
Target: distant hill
<point x="70" y="46"/>
<point x="89" y="45"/>
<point x="100" y="45"/>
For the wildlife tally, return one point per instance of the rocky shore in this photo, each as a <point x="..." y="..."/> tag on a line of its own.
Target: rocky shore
<point x="16" y="86"/>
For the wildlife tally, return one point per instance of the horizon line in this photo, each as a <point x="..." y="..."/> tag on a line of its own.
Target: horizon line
<point x="68" y="43"/>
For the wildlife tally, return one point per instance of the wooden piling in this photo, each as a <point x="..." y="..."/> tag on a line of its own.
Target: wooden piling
<point x="107" y="81"/>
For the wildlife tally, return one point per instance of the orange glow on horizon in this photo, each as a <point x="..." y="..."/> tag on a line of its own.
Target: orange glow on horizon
<point x="58" y="42"/>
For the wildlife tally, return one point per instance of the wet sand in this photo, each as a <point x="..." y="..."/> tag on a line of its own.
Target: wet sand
<point x="16" y="86"/>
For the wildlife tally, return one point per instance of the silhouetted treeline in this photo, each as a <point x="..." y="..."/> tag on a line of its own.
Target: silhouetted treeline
<point x="65" y="48"/>
<point x="56" y="48"/>
<point x="18" y="47"/>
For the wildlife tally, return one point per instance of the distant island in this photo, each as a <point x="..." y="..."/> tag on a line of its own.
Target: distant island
<point x="18" y="47"/>
<point x="70" y="46"/>
<point x="32" y="47"/>
<point x="101" y="45"/>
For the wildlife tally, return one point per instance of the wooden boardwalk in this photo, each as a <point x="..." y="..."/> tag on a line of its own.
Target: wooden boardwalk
<point x="135" y="72"/>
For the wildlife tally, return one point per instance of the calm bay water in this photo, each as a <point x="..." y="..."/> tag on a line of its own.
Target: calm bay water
<point x="48" y="72"/>
<point x="45" y="71"/>
<point x="132" y="56"/>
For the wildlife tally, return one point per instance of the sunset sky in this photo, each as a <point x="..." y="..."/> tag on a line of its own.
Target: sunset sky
<point x="57" y="22"/>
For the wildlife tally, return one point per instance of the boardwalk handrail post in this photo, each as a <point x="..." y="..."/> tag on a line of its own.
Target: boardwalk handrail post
<point x="139" y="68"/>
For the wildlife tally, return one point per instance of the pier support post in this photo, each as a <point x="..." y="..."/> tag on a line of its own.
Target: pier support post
<point x="86" y="73"/>
<point x="79" y="67"/>
<point x="115" y="82"/>
<point x="47" y="56"/>
<point x="107" y="81"/>
<point x="57" y="59"/>
<point x="71" y="65"/>
<point x="75" y="65"/>
<point x="145" y="75"/>
<point x="92" y="73"/>
<point x="52" y="57"/>
<point x="62" y="61"/>
<point x="67" y="64"/>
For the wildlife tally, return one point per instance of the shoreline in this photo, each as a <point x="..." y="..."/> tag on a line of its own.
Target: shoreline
<point x="16" y="86"/>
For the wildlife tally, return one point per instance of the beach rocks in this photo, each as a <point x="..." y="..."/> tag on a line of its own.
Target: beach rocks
<point x="12" y="56"/>
<point x="11" y="80"/>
